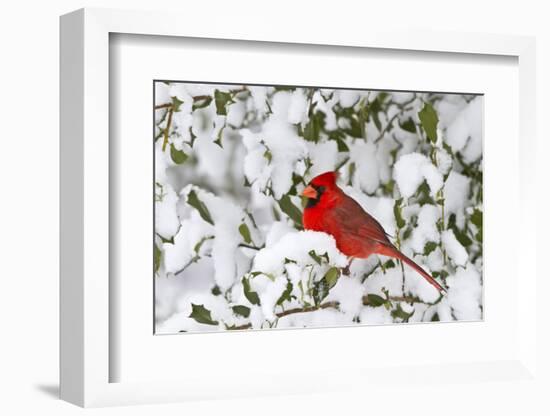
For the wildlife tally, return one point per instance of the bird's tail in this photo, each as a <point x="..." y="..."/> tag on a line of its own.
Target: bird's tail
<point x="393" y="252"/>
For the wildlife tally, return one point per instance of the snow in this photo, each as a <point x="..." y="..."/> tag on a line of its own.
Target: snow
<point x="465" y="292"/>
<point x="417" y="285"/>
<point x="161" y="163"/>
<point x="227" y="218"/>
<point x="326" y="107"/>
<point x="402" y="97"/>
<point x="197" y="278"/>
<point x="457" y="187"/>
<point x="286" y="148"/>
<point x="435" y="260"/>
<point x="269" y="291"/>
<point x="344" y="123"/>
<point x="465" y="132"/>
<point x="411" y="170"/>
<point x="162" y="92"/>
<point x="454" y="249"/>
<point x="259" y="96"/>
<point x="296" y="246"/>
<point x="375" y="316"/>
<point x="384" y="158"/>
<point x="324" y="156"/>
<point x="219" y="309"/>
<point x="426" y="229"/>
<point x="348" y="292"/>
<point x="191" y="233"/>
<point x="289" y="257"/>
<point x="367" y="171"/>
<point x="321" y="318"/>
<point x="348" y="98"/>
<point x="276" y="231"/>
<point x="212" y="160"/>
<point x="236" y="114"/>
<point x="391" y="280"/>
<point x="183" y="121"/>
<point x="256" y="164"/>
<point x="297" y="110"/>
<point x="166" y="217"/>
<point x="444" y="161"/>
<point x="199" y="89"/>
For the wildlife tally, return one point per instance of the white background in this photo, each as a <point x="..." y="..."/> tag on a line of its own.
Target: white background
<point x="29" y="180"/>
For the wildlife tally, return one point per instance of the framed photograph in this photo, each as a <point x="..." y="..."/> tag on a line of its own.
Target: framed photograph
<point x="247" y="216"/>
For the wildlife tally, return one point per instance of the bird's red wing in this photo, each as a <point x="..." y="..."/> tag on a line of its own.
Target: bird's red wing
<point x="356" y="223"/>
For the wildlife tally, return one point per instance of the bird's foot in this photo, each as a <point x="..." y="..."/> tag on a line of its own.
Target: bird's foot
<point x="346" y="270"/>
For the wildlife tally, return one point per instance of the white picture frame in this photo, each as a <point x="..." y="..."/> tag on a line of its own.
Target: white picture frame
<point x="86" y="356"/>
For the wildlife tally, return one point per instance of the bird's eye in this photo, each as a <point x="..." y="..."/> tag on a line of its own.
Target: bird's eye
<point x="321" y="189"/>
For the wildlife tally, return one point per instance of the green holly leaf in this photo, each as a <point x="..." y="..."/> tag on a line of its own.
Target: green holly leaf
<point x="351" y="172"/>
<point x="315" y="257"/>
<point x="318" y="258"/>
<point x="157" y="255"/>
<point x="193" y="137"/>
<point x="219" y="136"/>
<point x="241" y="310"/>
<point x="176" y="104"/>
<point x="477" y="218"/>
<point x="201" y="102"/>
<point x="401" y="314"/>
<point x="399" y="221"/>
<point x="374" y="108"/>
<point x="178" y="156"/>
<point x="195" y="202"/>
<point x="389" y="264"/>
<point x="408" y="125"/>
<point x="291" y="210"/>
<point x="429" y="247"/>
<point x="202" y="315"/>
<point x="331" y="276"/>
<point x="479" y="235"/>
<point x="252" y="296"/>
<point x="428" y="119"/>
<point x="320" y="291"/>
<point x="199" y="244"/>
<point x="342" y="146"/>
<point x="315" y="125"/>
<point x="286" y="295"/>
<point x="166" y="240"/>
<point x="222" y="99"/>
<point x="245" y="233"/>
<point x="375" y="300"/>
<point x="462" y="237"/>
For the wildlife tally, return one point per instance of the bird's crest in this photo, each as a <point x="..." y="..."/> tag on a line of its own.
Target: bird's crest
<point x="325" y="179"/>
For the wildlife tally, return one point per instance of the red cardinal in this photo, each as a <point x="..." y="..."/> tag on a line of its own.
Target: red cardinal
<point x="356" y="232"/>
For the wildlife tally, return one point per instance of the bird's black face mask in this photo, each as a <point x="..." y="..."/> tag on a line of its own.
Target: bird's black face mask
<point x="311" y="202"/>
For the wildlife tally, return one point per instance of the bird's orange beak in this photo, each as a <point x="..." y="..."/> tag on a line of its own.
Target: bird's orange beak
<point x="310" y="192"/>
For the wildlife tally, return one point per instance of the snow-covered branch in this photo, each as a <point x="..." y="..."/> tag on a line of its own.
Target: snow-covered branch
<point x="230" y="165"/>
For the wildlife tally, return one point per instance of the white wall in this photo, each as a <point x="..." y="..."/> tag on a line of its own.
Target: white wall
<point x="29" y="182"/>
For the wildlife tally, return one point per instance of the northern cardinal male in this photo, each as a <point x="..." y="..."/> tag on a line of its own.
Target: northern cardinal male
<point x="356" y="232"/>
